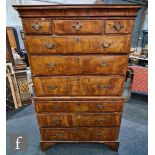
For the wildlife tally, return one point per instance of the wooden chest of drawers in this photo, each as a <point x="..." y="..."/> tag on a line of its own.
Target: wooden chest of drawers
<point x="78" y="56"/>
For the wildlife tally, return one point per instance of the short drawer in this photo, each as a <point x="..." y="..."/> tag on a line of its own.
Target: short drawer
<point x="80" y="134"/>
<point x="118" y="26"/>
<point x="78" y="65"/>
<point x="79" y="85"/>
<point x="77" y="44"/>
<point x="53" y="120"/>
<point x="79" y="106"/>
<point x="78" y="26"/>
<point x="37" y="26"/>
<point x="94" y="120"/>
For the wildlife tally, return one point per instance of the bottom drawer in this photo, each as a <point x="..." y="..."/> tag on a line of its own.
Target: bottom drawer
<point x="79" y="134"/>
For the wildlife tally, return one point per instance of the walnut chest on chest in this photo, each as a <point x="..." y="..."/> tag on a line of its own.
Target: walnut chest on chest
<point x="78" y="57"/>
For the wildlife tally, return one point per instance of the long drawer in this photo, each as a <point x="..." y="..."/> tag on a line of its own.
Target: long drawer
<point x="78" y="65"/>
<point x="78" y="119"/>
<point x="79" y="85"/>
<point x="80" y="134"/>
<point x="79" y="106"/>
<point x="77" y="44"/>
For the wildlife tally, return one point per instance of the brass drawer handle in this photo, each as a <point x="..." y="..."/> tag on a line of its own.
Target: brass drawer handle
<point x="99" y="133"/>
<point x="99" y="120"/>
<point x="77" y="26"/>
<point x="106" y="45"/>
<point x="117" y="26"/>
<point x="104" y="64"/>
<point x="60" y="134"/>
<point x="50" y="45"/>
<point x="52" y="65"/>
<point x="99" y="86"/>
<point x="56" y="107"/>
<point x="52" y="87"/>
<point x="99" y="106"/>
<point x="58" y="122"/>
<point x="79" y="116"/>
<point x="36" y="26"/>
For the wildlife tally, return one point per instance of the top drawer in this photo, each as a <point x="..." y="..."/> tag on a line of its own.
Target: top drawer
<point x="118" y="26"/>
<point x="37" y="26"/>
<point x="78" y="26"/>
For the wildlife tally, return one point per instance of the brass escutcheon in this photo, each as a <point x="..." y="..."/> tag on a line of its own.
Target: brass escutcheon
<point x="77" y="26"/>
<point x="117" y="26"/>
<point x="36" y="26"/>
<point x="106" y="45"/>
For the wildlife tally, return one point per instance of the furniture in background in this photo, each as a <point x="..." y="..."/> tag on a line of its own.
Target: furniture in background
<point x="13" y="100"/>
<point x="19" y="68"/>
<point x="140" y="79"/>
<point x="13" y="37"/>
<point x="78" y="56"/>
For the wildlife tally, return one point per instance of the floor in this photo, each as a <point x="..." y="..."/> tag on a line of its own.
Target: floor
<point x="133" y="132"/>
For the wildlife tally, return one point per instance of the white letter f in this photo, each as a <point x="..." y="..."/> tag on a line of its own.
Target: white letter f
<point x="17" y="142"/>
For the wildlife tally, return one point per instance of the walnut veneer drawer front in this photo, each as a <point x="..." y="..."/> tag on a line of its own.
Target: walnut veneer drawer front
<point x="34" y="26"/>
<point x="85" y="119"/>
<point x="77" y="44"/>
<point x="53" y="120"/>
<point x="79" y="106"/>
<point x="118" y="26"/>
<point x="72" y="65"/>
<point x="80" y="134"/>
<point x="78" y="86"/>
<point x="78" y="26"/>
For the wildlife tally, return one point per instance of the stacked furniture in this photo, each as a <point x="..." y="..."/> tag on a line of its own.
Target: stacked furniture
<point x="78" y="57"/>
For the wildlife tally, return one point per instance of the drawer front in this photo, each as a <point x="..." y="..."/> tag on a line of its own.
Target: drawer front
<point x="118" y="26"/>
<point x="78" y="106"/>
<point x="53" y="120"/>
<point x="78" y="26"/>
<point x="37" y="26"/>
<point x="79" y="86"/>
<point x="73" y="65"/>
<point x="110" y="119"/>
<point x="80" y="134"/>
<point x="77" y="44"/>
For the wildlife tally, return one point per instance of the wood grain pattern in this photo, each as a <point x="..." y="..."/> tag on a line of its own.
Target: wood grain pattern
<point x="79" y="120"/>
<point x="53" y="120"/>
<point x="81" y="98"/>
<point x="79" y="86"/>
<point x="79" y="106"/>
<point x="80" y="134"/>
<point x="78" y="65"/>
<point x="68" y="11"/>
<point x="118" y="26"/>
<point x="77" y="44"/>
<point x="78" y="26"/>
<point x="37" y="26"/>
